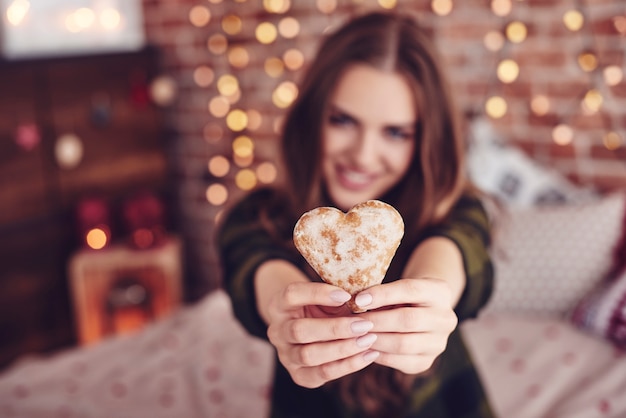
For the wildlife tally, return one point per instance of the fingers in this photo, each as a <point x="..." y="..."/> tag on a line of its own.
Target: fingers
<point x="411" y="319"/>
<point x="310" y="355"/>
<point x="312" y="377"/>
<point x="409" y="364"/>
<point x="308" y="330"/>
<point x="426" y="291"/>
<point x="300" y="294"/>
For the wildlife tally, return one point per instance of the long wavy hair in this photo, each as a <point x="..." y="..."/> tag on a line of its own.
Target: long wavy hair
<point x="396" y="43"/>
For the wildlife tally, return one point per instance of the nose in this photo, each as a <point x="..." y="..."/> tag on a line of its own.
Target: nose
<point x="364" y="150"/>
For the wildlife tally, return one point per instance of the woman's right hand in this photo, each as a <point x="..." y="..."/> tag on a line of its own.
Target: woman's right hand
<point x="316" y="336"/>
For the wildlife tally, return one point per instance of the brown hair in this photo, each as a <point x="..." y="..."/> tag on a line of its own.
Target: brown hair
<point x="435" y="180"/>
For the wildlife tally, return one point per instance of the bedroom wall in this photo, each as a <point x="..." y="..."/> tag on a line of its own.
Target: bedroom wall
<point x="204" y="40"/>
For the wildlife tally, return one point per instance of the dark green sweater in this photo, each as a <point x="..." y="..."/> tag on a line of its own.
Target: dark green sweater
<point x="451" y="389"/>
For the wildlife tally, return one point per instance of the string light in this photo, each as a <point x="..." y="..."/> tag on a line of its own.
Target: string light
<point x="266" y="33"/>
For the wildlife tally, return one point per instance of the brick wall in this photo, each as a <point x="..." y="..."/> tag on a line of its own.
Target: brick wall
<point x="547" y="60"/>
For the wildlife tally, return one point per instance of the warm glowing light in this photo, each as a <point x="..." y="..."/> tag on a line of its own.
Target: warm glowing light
<point x="516" y="32"/>
<point x="540" y="105"/>
<point x="217" y="194"/>
<point x="203" y="76"/>
<point x="387" y="4"/>
<point x="17" y="11"/>
<point x="441" y="7"/>
<point x="326" y="6"/>
<point x="274" y="67"/>
<point x="612" y="140"/>
<point x="234" y="98"/>
<point x="613" y="75"/>
<point x="587" y="61"/>
<point x="227" y="84"/>
<point x="217" y="44"/>
<point x="219" y="106"/>
<point x="163" y="90"/>
<point x="213" y="132"/>
<point x="276" y="6"/>
<point x="294" y="59"/>
<point x="266" y="172"/>
<point x="573" y="20"/>
<point x="288" y="27"/>
<point x="493" y="40"/>
<point x="237" y="120"/>
<point x="592" y="102"/>
<point x="68" y="151"/>
<point x="245" y="179"/>
<point x="80" y="19"/>
<point x="243" y="161"/>
<point x="243" y="146"/>
<point x="496" y="107"/>
<point x="284" y="94"/>
<point x="501" y="7"/>
<point x="219" y="166"/>
<point x="254" y="119"/>
<point x="562" y="134"/>
<point x="110" y="19"/>
<point x="199" y="16"/>
<point x="238" y="57"/>
<point x="266" y="33"/>
<point x="507" y="71"/>
<point x="231" y="24"/>
<point x="97" y="238"/>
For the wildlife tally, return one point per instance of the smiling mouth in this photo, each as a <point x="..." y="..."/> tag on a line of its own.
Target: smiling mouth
<point x="354" y="180"/>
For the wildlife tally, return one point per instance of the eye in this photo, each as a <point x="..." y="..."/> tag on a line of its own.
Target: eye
<point x="340" y="119"/>
<point x="399" y="133"/>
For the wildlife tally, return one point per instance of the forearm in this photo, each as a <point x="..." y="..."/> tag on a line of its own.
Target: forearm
<point x="272" y="277"/>
<point x="438" y="258"/>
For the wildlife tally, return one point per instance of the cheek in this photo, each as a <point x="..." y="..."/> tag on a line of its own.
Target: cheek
<point x="401" y="159"/>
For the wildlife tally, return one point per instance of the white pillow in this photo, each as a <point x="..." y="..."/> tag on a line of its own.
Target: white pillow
<point x="547" y="258"/>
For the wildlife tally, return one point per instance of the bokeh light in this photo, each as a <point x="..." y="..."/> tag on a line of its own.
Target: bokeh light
<point x="493" y="40"/>
<point x="289" y="27"/>
<point x="254" y="119"/>
<point x="276" y="6"/>
<point x="231" y="24"/>
<point x="612" y="140"/>
<point x="592" y="102"/>
<point x="227" y="84"/>
<point x="237" y="120"/>
<point x="266" y="172"/>
<point x="68" y="151"/>
<point x="266" y="33"/>
<point x="213" y="132"/>
<point x="326" y="6"/>
<point x="562" y="134"/>
<point x="588" y="61"/>
<point x="243" y="146"/>
<point x="501" y="7"/>
<point x="293" y="58"/>
<point x="238" y="57"/>
<point x="507" y="71"/>
<point x="199" y="16"/>
<point x="387" y="4"/>
<point x="441" y="7"/>
<point x="217" y="194"/>
<point x="245" y="179"/>
<point x="219" y="106"/>
<point x="219" y="166"/>
<point x="496" y="107"/>
<point x="540" y="105"/>
<point x="284" y="94"/>
<point x="97" y="238"/>
<point x="573" y="20"/>
<point x="516" y="32"/>
<point x="203" y="76"/>
<point x="613" y="75"/>
<point x="217" y="44"/>
<point x="274" y="67"/>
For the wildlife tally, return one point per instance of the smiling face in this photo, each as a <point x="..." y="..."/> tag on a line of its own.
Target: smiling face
<point x="368" y="135"/>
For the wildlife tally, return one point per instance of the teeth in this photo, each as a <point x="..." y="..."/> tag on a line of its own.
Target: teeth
<point x="355" y="177"/>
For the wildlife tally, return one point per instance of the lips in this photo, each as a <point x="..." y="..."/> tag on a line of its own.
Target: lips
<point x="353" y="179"/>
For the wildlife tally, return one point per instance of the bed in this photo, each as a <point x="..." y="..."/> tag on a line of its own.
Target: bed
<point x="550" y="343"/>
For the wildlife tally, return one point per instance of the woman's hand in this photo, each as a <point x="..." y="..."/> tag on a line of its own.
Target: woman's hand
<point x="315" y="335"/>
<point x="413" y="323"/>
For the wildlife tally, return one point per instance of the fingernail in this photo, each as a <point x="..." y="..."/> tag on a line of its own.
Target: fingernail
<point x="363" y="299"/>
<point x="340" y="296"/>
<point x="371" y="356"/>
<point x="366" y="340"/>
<point x="360" y="327"/>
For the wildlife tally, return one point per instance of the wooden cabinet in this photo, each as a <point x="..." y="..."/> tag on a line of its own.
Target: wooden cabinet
<point x="103" y="100"/>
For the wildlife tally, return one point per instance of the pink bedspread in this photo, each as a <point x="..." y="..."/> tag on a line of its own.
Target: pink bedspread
<point x="200" y="363"/>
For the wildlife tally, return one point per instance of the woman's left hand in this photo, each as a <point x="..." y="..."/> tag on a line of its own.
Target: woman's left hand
<point x="412" y="318"/>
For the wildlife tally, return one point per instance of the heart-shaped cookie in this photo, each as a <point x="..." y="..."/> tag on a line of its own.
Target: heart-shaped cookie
<point x="351" y="250"/>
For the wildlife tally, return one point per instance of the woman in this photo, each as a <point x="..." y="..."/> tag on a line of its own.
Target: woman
<point x="374" y="120"/>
